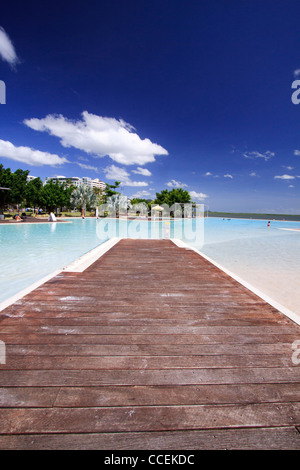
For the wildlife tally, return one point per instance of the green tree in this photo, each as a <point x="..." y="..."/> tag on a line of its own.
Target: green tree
<point x="66" y="195"/>
<point x="19" y="182"/>
<point x="110" y="190"/>
<point x="54" y="195"/>
<point x="176" y="195"/>
<point x="84" y="197"/>
<point x="33" y="192"/>
<point x="5" y="182"/>
<point x="16" y="182"/>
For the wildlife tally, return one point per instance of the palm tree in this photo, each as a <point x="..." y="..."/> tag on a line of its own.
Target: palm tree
<point x="117" y="203"/>
<point x="82" y="197"/>
<point x="140" y="208"/>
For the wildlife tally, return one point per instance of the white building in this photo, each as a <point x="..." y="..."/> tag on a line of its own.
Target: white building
<point x="94" y="183"/>
<point x="76" y="181"/>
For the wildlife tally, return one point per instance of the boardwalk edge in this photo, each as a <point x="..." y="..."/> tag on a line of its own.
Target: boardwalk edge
<point x="79" y="265"/>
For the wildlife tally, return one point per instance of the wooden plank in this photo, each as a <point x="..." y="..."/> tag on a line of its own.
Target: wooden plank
<point x="138" y="313"/>
<point x="68" y="338"/>
<point x="159" y="330"/>
<point x="61" y="378"/>
<point x="148" y="349"/>
<point x="28" y="397"/>
<point x="144" y="362"/>
<point x="279" y="438"/>
<point x="158" y="418"/>
<point x="108" y="320"/>
<point x="177" y="395"/>
<point x="82" y="397"/>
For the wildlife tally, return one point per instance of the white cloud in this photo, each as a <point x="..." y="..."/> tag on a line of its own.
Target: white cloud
<point x="228" y="176"/>
<point x="253" y="173"/>
<point x="84" y="166"/>
<point x="266" y="156"/>
<point x="208" y="173"/>
<point x="134" y="183"/>
<point x="142" y="171"/>
<point x="288" y="167"/>
<point x="29" y="156"/>
<point x="100" y="136"/>
<point x="285" y="177"/>
<point x="142" y="195"/>
<point x="296" y="73"/>
<point x="297" y="152"/>
<point x="7" y="50"/>
<point x="176" y="184"/>
<point x="199" y="196"/>
<point x="291" y="186"/>
<point x="120" y="174"/>
<point x="116" y="173"/>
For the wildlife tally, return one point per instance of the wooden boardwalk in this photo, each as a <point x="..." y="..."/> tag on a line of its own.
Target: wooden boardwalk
<point x="152" y="347"/>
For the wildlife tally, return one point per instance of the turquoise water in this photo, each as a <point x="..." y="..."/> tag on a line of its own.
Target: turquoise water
<point x="266" y="258"/>
<point x="29" y="252"/>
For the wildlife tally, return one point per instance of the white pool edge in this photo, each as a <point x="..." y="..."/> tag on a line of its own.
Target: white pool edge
<point x="11" y="300"/>
<point x="84" y="261"/>
<point x="79" y="265"/>
<point x="287" y="312"/>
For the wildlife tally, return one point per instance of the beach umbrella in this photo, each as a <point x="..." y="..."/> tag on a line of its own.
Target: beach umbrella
<point x="157" y="208"/>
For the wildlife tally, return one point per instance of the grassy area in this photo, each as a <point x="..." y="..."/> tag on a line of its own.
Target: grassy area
<point x="43" y="215"/>
<point x="240" y="215"/>
<point x="76" y="214"/>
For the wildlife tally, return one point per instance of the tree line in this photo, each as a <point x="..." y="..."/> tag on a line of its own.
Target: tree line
<point x="31" y="193"/>
<point x="49" y="196"/>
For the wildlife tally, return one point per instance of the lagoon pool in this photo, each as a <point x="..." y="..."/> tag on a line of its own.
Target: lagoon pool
<point x="268" y="258"/>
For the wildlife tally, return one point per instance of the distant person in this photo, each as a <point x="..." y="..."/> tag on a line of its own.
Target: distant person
<point x="17" y="218"/>
<point x="269" y="223"/>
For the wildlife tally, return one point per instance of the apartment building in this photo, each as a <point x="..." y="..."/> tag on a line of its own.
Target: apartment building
<point x="76" y="181"/>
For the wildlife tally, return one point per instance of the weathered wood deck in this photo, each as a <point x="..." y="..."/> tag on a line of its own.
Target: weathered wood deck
<point x="152" y="347"/>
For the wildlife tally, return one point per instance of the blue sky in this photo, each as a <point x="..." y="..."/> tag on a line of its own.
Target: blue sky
<point x="158" y="94"/>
